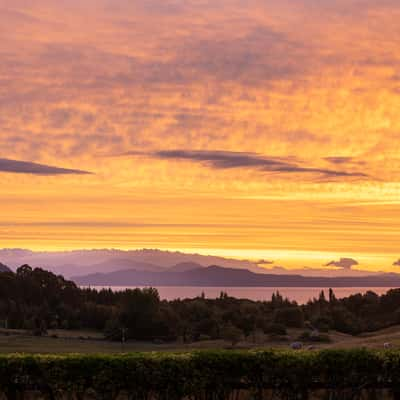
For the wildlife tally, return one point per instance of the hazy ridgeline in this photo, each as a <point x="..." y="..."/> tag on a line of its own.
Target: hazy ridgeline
<point x="37" y="300"/>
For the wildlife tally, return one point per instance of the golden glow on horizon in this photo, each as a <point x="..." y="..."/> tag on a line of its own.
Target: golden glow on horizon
<point x="315" y="85"/>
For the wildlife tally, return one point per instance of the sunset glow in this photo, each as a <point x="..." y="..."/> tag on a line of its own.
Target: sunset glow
<point x="248" y="129"/>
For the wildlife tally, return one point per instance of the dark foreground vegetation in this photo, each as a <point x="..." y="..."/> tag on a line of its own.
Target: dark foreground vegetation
<point x="37" y="300"/>
<point x="345" y="375"/>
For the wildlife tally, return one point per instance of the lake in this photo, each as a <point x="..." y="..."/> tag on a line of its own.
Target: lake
<point x="299" y="294"/>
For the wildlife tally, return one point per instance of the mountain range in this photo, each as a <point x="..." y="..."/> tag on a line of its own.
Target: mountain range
<point x="83" y="262"/>
<point x="152" y="267"/>
<point x="219" y="276"/>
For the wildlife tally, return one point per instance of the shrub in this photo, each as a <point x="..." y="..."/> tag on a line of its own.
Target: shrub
<point x="200" y="374"/>
<point x="308" y="336"/>
<point x="113" y="330"/>
<point x="322" y="323"/>
<point x="291" y="317"/>
<point x="232" y="334"/>
<point x="209" y="375"/>
<point x="276" y="329"/>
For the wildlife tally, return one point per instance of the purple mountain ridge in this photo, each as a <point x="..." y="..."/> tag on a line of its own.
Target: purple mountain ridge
<point x="85" y="262"/>
<point x="219" y="276"/>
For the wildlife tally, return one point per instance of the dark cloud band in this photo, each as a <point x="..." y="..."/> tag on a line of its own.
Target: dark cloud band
<point x="26" y="167"/>
<point x="230" y="159"/>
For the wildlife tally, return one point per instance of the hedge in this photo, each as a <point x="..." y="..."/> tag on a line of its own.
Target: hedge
<point x="342" y="374"/>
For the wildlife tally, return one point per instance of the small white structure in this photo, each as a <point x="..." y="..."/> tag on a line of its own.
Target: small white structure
<point x="387" y="345"/>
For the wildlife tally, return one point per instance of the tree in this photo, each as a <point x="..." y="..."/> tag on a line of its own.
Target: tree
<point x="332" y="297"/>
<point x="275" y="329"/>
<point x="322" y="298"/>
<point x="140" y="313"/>
<point x="291" y="317"/>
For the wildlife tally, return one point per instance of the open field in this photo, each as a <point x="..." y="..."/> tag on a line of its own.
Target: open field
<point x="58" y="341"/>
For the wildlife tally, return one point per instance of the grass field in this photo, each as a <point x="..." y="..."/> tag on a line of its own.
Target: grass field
<point x="17" y="341"/>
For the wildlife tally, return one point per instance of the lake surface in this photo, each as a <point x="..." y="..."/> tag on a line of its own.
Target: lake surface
<point x="299" y="294"/>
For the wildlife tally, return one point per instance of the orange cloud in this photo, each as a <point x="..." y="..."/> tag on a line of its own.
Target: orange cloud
<point x="313" y="85"/>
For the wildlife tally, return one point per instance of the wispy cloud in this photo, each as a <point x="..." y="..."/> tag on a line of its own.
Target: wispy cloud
<point x="339" y="160"/>
<point x="26" y="167"/>
<point x="232" y="159"/>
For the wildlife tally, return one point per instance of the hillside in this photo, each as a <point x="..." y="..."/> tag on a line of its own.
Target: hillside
<point x="4" y="268"/>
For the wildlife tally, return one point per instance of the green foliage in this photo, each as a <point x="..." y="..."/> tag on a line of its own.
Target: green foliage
<point x="37" y="300"/>
<point x="232" y="334"/>
<point x="308" y="336"/>
<point x="194" y="375"/>
<point x="276" y="329"/>
<point x="289" y="316"/>
<point x="113" y="330"/>
<point x="139" y="312"/>
<point x="322" y="323"/>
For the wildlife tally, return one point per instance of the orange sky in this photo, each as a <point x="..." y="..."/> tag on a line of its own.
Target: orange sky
<point x="257" y="128"/>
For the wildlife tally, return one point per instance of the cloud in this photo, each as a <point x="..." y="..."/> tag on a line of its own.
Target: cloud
<point x="397" y="263"/>
<point x="339" y="160"/>
<point x="234" y="159"/>
<point x="26" y="167"/>
<point x="344" y="263"/>
<point x="264" y="262"/>
<point x="60" y="117"/>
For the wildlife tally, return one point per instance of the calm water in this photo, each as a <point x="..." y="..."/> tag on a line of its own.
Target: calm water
<point x="299" y="294"/>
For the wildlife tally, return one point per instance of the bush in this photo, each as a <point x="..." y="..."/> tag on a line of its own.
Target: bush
<point x="322" y="323"/>
<point x="292" y="317"/>
<point x="276" y="329"/>
<point x="113" y="330"/>
<point x="232" y="334"/>
<point x="214" y="374"/>
<point x="308" y="336"/>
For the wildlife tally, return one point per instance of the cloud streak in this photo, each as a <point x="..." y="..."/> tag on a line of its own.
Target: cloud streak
<point x="26" y="167"/>
<point x="339" y="160"/>
<point x="233" y="159"/>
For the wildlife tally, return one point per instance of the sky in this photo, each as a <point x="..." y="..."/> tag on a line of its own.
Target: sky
<point x="246" y="128"/>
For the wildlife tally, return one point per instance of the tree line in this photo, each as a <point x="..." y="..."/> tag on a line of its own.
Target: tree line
<point x="38" y="300"/>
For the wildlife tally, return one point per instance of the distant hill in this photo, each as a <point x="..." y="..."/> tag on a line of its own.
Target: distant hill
<point x="4" y="268"/>
<point x="218" y="276"/>
<point x="185" y="266"/>
<point x="114" y="264"/>
<point x="83" y="262"/>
